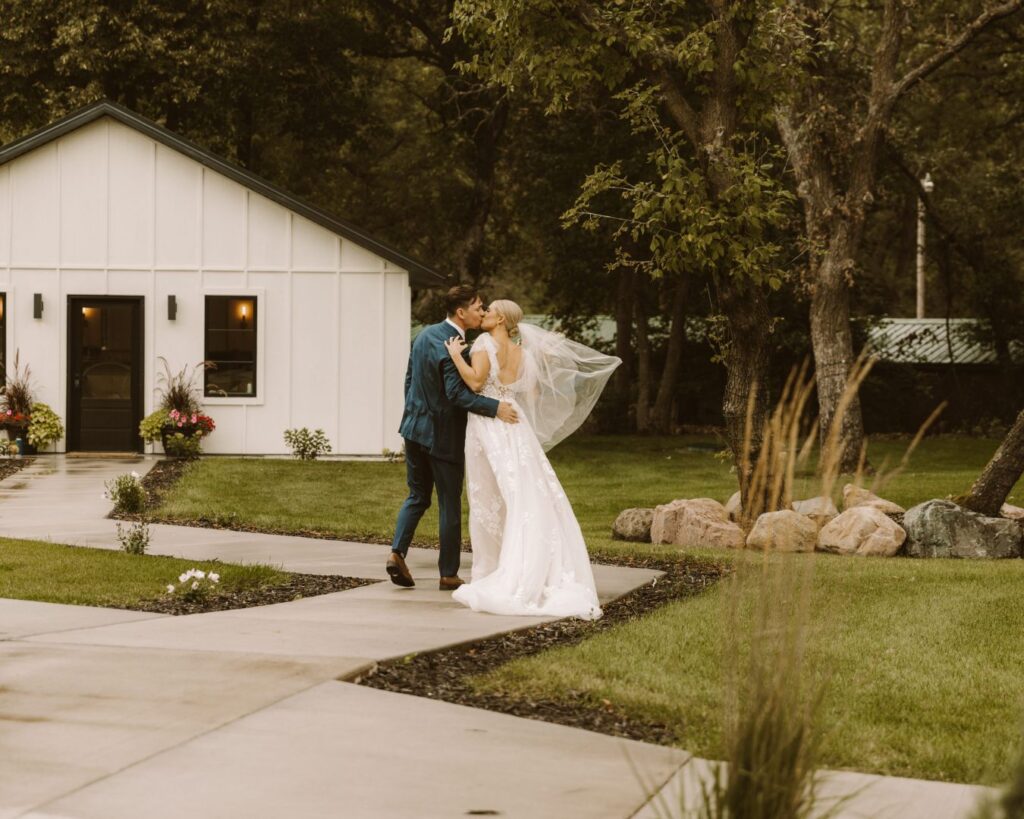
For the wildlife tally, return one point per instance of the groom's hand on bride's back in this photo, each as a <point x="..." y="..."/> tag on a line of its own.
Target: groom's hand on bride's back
<point x="507" y="413"/>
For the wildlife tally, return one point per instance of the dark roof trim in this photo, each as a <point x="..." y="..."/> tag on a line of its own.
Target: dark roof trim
<point x="419" y="274"/>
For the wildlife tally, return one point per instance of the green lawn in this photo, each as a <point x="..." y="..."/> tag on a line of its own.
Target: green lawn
<point x="49" y="572"/>
<point x="924" y="658"/>
<point x="601" y="474"/>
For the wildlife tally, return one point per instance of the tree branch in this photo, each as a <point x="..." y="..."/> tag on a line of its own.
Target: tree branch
<point x="954" y="46"/>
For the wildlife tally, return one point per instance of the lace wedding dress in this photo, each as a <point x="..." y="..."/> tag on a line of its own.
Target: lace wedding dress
<point x="529" y="556"/>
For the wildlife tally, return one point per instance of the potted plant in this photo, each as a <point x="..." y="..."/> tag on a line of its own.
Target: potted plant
<point x="44" y="427"/>
<point x="16" y="404"/>
<point x="178" y="422"/>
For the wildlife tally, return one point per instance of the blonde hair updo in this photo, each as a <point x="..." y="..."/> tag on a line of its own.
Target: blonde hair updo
<point x="511" y="312"/>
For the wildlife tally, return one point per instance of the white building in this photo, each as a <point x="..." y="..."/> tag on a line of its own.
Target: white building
<point x="121" y="243"/>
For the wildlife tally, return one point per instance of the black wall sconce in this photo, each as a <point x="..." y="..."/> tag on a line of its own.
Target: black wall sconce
<point x="172" y="308"/>
<point x="37" y="305"/>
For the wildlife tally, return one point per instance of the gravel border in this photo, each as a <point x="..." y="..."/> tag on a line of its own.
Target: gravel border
<point x="12" y="466"/>
<point x="447" y="674"/>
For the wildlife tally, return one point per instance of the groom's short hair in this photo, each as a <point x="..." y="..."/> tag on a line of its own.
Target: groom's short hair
<point x="462" y="295"/>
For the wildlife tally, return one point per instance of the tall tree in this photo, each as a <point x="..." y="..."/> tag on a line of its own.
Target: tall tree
<point x="1000" y="475"/>
<point x="833" y="123"/>
<point x="706" y="195"/>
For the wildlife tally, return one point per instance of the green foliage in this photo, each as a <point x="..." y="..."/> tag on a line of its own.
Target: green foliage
<point x="134" y="539"/>
<point x="306" y="445"/>
<point x="45" y="426"/>
<point x="180" y="390"/>
<point x="179" y="445"/>
<point x="127" y="493"/>
<point x="151" y="426"/>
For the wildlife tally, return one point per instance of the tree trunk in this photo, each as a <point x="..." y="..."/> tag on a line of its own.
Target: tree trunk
<point x="486" y="137"/>
<point x="746" y="364"/>
<point x="832" y="343"/>
<point x="661" y="420"/>
<point x="623" y="378"/>
<point x="997" y="480"/>
<point x="643" y="369"/>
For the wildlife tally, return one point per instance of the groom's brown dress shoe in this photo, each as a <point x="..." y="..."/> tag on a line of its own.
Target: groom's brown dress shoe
<point x="450" y="583"/>
<point x="398" y="571"/>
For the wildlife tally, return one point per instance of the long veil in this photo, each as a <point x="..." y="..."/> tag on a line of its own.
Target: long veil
<point x="562" y="381"/>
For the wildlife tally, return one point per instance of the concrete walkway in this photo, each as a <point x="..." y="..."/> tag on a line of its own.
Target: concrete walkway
<point x="108" y="713"/>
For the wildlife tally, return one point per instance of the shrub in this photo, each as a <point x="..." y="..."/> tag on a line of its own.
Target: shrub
<point x="44" y="426"/>
<point x="179" y="445"/>
<point x="126" y="492"/>
<point x="306" y="445"/>
<point x="194" y="585"/>
<point x="134" y="539"/>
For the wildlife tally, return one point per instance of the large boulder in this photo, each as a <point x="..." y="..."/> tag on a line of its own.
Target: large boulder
<point x="783" y="531"/>
<point x="1012" y="512"/>
<point x="696" y="522"/>
<point x="862" y="530"/>
<point x="941" y="528"/>
<point x="856" y="496"/>
<point x="734" y="506"/>
<point x="633" y="524"/>
<point x="820" y="509"/>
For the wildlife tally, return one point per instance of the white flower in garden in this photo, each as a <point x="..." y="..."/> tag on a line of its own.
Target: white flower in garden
<point x="135" y="474"/>
<point x="195" y="584"/>
<point x="200" y="574"/>
<point x="214" y="577"/>
<point x="183" y="577"/>
<point x="170" y="589"/>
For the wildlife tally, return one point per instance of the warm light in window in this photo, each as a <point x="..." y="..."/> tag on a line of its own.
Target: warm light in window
<point x="87" y="312"/>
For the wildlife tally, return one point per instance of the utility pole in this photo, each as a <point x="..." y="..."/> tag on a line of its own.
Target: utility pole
<point x="927" y="186"/>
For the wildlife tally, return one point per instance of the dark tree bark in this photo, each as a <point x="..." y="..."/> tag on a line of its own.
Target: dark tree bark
<point x="623" y="378"/>
<point x="1001" y="474"/>
<point x="643" y="369"/>
<point x="661" y="420"/>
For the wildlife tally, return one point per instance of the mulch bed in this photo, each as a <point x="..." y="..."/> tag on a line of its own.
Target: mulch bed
<point x="10" y="466"/>
<point x="446" y="675"/>
<point x="297" y="587"/>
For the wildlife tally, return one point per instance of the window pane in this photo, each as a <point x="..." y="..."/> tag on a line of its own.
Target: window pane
<point x="231" y="345"/>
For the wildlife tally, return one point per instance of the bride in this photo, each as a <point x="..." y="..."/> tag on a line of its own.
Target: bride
<point x="529" y="556"/>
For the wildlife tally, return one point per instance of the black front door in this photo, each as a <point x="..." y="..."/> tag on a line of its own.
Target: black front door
<point x="104" y="373"/>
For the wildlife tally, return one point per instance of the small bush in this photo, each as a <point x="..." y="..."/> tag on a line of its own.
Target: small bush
<point x="127" y="493"/>
<point x="306" y="445"/>
<point x="134" y="539"/>
<point x="183" y="446"/>
<point x="194" y="585"/>
<point x="152" y="425"/>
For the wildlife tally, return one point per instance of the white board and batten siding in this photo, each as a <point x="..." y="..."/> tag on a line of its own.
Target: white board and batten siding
<point x="106" y="210"/>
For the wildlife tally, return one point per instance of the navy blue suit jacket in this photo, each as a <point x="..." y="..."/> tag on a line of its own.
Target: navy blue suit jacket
<point x="436" y="397"/>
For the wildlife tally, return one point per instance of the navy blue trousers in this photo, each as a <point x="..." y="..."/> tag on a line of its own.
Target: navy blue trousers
<point x="424" y="472"/>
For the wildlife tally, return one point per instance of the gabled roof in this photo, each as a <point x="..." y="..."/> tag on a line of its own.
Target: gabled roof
<point x="419" y="274"/>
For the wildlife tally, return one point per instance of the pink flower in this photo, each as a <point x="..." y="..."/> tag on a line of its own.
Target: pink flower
<point x="193" y="417"/>
<point x="9" y="412"/>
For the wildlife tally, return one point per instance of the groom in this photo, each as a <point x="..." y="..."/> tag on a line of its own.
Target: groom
<point x="434" y="429"/>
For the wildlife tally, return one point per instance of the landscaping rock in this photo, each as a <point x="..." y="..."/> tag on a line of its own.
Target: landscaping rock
<point x="856" y="496"/>
<point x="941" y="528"/>
<point x="863" y="530"/>
<point x="734" y="506"/>
<point x="783" y="531"/>
<point x="1012" y="512"/>
<point x="633" y="524"/>
<point x="697" y="522"/>
<point x="820" y="509"/>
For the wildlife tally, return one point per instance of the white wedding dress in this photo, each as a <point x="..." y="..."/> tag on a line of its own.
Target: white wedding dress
<point x="529" y="556"/>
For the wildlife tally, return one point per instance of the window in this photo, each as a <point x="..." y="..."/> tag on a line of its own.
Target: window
<point x="230" y="346"/>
